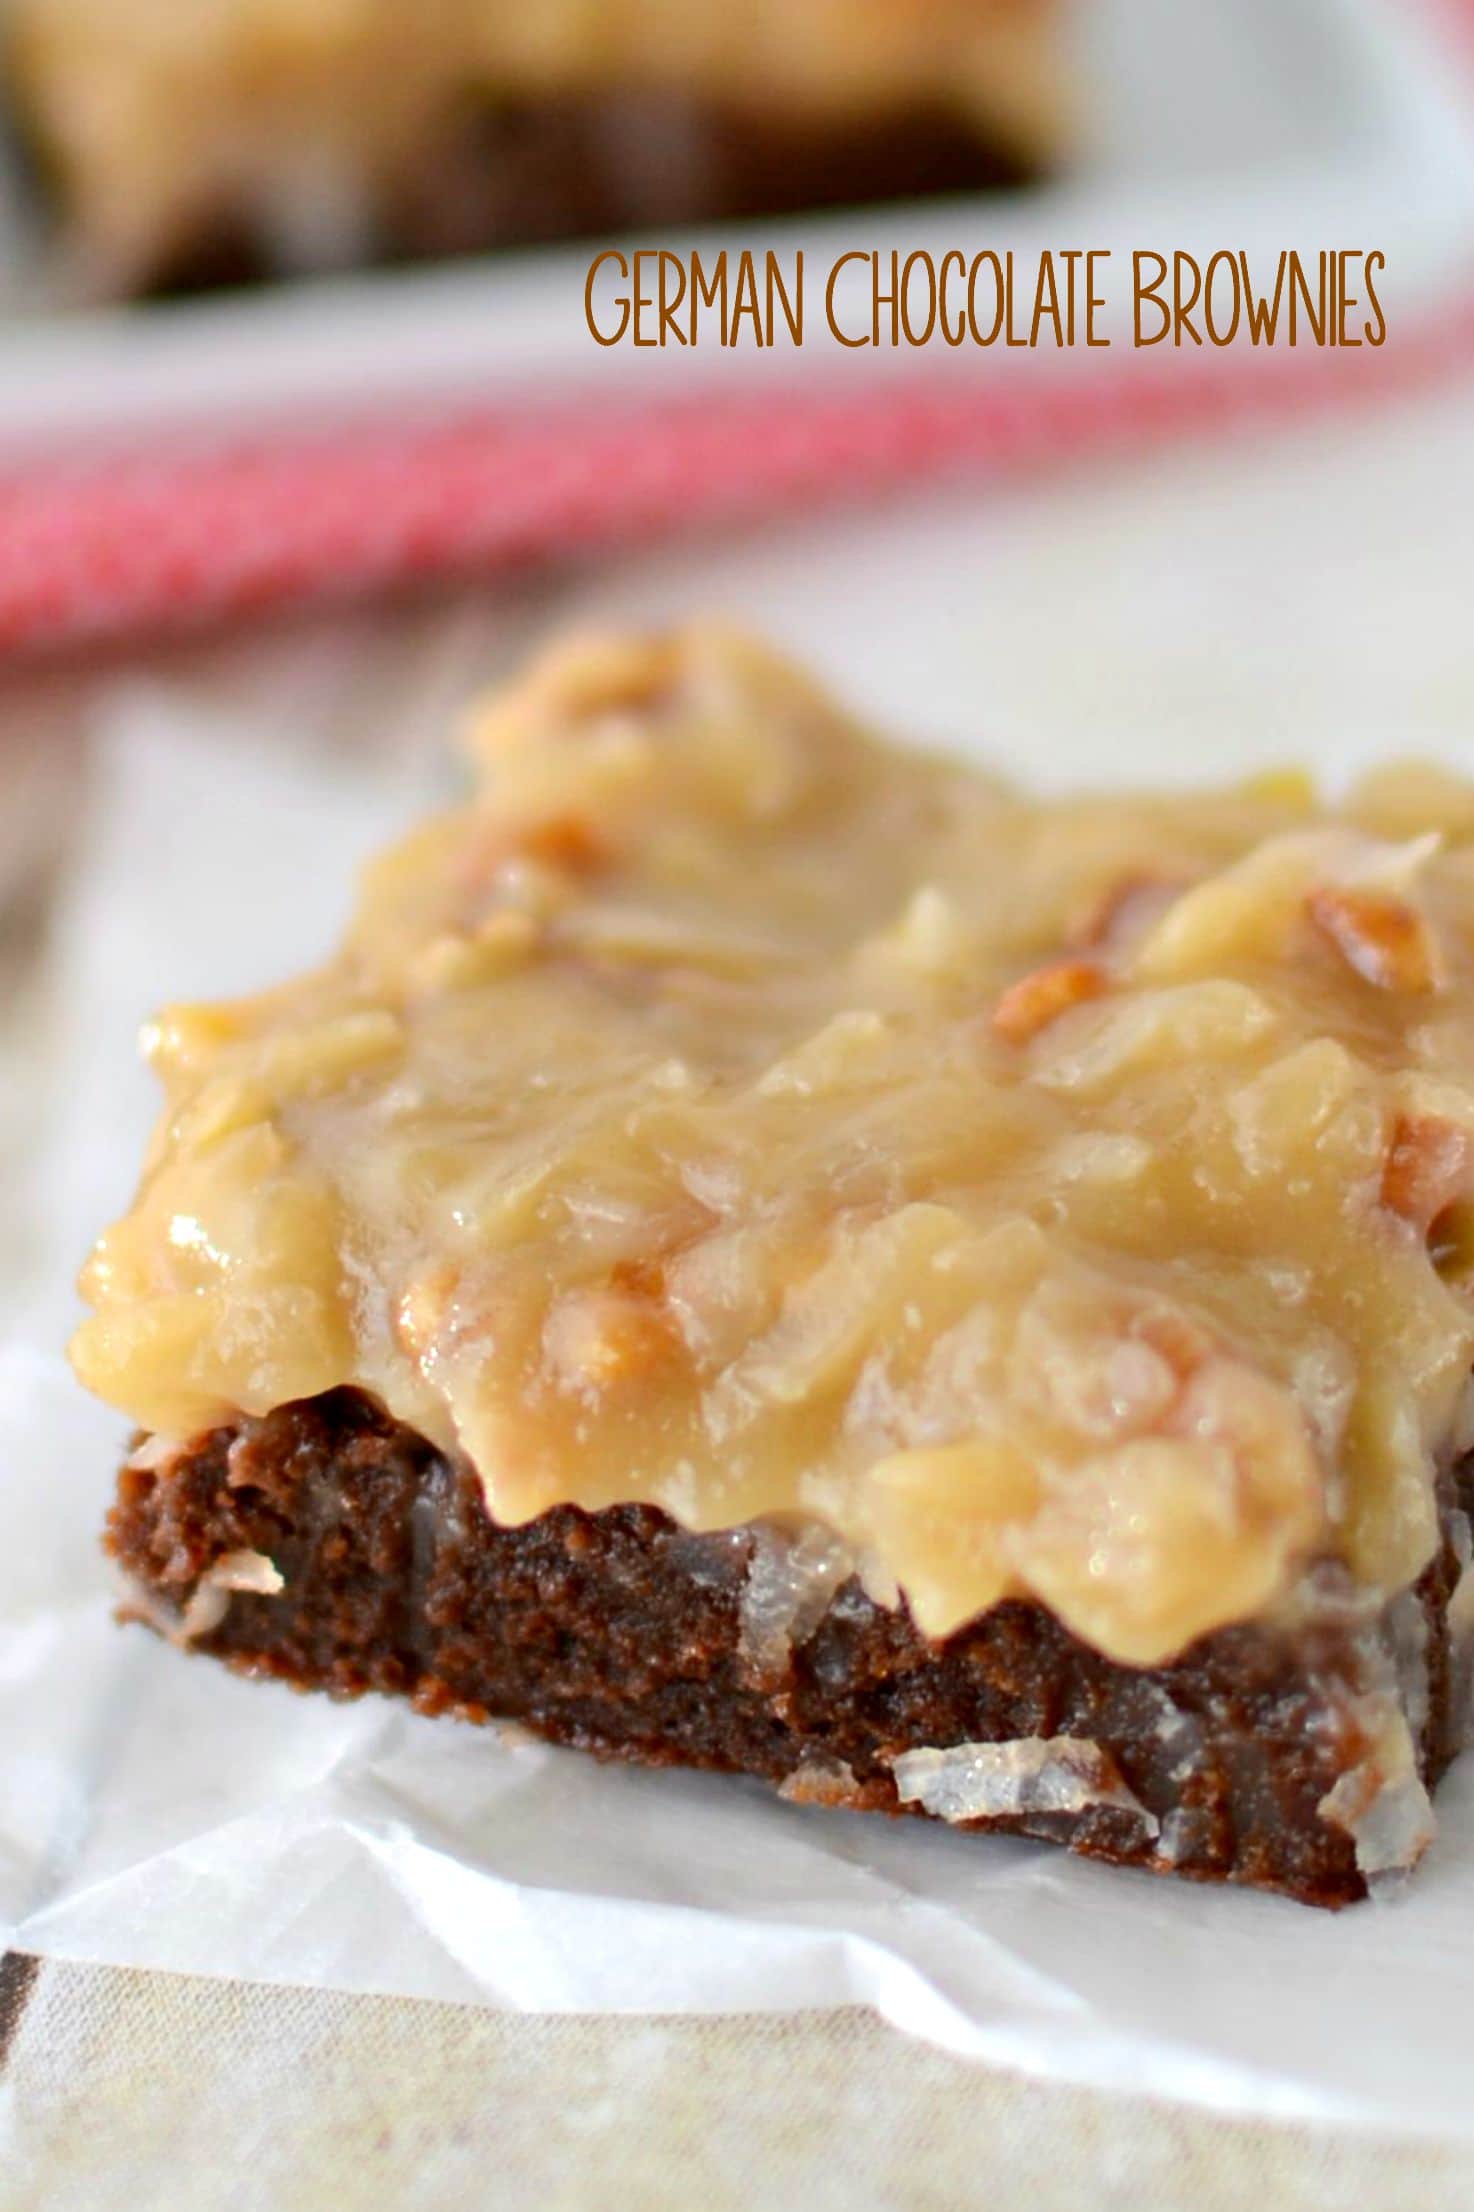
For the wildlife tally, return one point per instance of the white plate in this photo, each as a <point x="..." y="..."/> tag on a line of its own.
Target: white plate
<point x="1258" y="124"/>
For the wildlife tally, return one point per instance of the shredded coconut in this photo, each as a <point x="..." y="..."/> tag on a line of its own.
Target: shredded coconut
<point x="248" y="1572"/>
<point x="155" y="1455"/>
<point x="790" y="1582"/>
<point x="1381" y="1802"/>
<point x="1034" y="1774"/>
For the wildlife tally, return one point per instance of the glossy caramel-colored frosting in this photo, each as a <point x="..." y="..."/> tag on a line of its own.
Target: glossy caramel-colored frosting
<point x="726" y="1110"/>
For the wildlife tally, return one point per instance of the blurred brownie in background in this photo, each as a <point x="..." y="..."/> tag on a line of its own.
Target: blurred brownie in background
<point x="206" y="142"/>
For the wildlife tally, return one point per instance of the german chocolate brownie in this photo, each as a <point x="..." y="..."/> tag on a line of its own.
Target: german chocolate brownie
<point x="187" y="146"/>
<point x="775" y="1251"/>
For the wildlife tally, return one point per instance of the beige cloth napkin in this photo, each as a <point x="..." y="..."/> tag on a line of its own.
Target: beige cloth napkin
<point x="126" y="2091"/>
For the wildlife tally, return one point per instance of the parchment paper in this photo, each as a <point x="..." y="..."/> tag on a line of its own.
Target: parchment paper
<point x="156" y="1812"/>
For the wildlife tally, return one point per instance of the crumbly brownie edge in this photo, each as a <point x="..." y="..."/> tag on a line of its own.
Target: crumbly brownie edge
<point x="621" y="1634"/>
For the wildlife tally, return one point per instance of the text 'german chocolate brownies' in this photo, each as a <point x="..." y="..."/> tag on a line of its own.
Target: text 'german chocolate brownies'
<point x="772" y="1252"/>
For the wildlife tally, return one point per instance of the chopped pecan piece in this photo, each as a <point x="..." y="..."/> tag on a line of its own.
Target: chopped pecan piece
<point x="1383" y="939"/>
<point x="1042" y="995"/>
<point x="564" y="841"/>
<point x="556" y="850"/>
<point x="1430" y="1164"/>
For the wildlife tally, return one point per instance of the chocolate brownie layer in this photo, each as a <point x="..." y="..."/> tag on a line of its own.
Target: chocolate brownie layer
<point x="524" y="173"/>
<point x="539" y="172"/>
<point x="621" y="1634"/>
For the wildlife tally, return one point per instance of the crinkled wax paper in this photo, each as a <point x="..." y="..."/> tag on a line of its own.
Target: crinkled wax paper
<point x="157" y="1812"/>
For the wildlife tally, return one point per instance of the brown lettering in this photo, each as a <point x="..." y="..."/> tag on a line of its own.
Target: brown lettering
<point x="1219" y="335"/>
<point x="1094" y="300"/>
<point x="746" y="303"/>
<point x="670" y="301"/>
<point x="913" y="261"/>
<point x="1263" y="313"/>
<point x="1046" y="303"/>
<point x="1376" y="329"/>
<point x="622" y="303"/>
<point x="1314" y="304"/>
<point x="1142" y="292"/>
<point x="1001" y="287"/>
<point x="829" y="292"/>
<point x="953" y="333"/>
<point x="793" y="309"/>
<point x="709" y="293"/>
<point x="1183" y="265"/>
